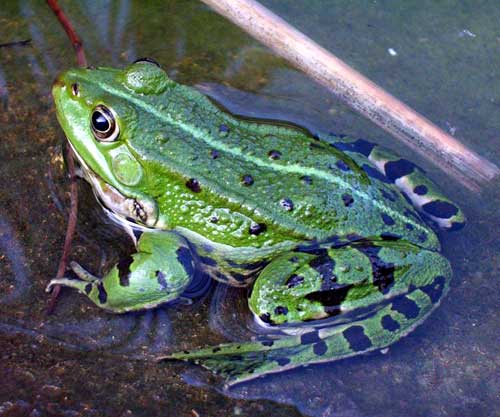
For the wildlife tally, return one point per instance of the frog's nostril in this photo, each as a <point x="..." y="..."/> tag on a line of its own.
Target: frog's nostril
<point x="58" y="82"/>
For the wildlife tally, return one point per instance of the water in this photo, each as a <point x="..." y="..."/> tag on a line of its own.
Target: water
<point x="442" y="58"/>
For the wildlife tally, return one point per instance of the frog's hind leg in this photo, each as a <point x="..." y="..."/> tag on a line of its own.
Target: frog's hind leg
<point x="160" y="271"/>
<point x="410" y="179"/>
<point x="371" y="312"/>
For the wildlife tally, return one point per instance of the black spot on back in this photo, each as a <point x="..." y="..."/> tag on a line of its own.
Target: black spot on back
<point x="388" y="220"/>
<point x="247" y="180"/>
<point x="88" y="288"/>
<point x="102" y="295"/>
<point x="347" y="199"/>
<point x="193" y="185"/>
<point x="435" y="289"/>
<point x="287" y="204"/>
<point x="223" y="128"/>
<point x="357" y="339"/>
<point x="274" y="154"/>
<point x="257" y="228"/>
<point x="124" y="270"/>
<point x="162" y="282"/>
<point x="320" y="348"/>
<point x="306" y="179"/>
<point x="422" y="237"/>
<point x="185" y="259"/>
<point x="398" y="169"/>
<point x="388" y="323"/>
<point x="406" y="307"/>
<point x="267" y="343"/>
<point x="441" y="209"/>
<point x="214" y="154"/>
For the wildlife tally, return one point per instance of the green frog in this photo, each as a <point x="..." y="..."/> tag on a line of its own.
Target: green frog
<point x="326" y="231"/>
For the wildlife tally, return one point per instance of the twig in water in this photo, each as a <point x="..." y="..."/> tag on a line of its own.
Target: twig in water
<point x="24" y="42"/>
<point x="70" y="229"/>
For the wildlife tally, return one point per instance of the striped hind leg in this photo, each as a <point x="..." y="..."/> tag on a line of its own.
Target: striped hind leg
<point x="378" y="315"/>
<point x="410" y="179"/>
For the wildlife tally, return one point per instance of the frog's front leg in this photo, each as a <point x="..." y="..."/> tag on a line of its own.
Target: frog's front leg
<point x="160" y="271"/>
<point x="378" y="293"/>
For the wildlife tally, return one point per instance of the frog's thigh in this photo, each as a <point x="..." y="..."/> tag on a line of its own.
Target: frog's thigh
<point x="159" y="271"/>
<point x="349" y="282"/>
<point x="410" y="179"/>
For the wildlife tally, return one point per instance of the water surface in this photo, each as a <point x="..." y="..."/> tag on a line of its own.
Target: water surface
<point x="442" y="58"/>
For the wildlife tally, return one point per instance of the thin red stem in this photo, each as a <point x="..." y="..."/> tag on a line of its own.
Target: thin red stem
<point x="68" y="27"/>
<point x="71" y="226"/>
<point x="70" y="229"/>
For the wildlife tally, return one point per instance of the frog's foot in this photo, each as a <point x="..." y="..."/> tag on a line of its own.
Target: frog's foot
<point x="159" y="272"/>
<point x="411" y="180"/>
<point x="378" y="295"/>
<point x="82" y="286"/>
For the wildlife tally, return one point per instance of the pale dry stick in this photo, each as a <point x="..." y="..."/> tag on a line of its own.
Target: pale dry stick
<point x="358" y="92"/>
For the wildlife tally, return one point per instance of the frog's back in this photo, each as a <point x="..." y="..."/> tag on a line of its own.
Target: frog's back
<point x="289" y="184"/>
<point x="246" y="183"/>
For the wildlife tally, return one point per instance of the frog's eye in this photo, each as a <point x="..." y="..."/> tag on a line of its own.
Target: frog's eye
<point x="103" y="124"/>
<point x="148" y="60"/>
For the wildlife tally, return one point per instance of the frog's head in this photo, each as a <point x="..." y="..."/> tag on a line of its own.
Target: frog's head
<point x="96" y="109"/>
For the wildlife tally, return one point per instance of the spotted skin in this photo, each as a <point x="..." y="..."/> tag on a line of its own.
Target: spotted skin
<point x="410" y="179"/>
<point x="329" y="228"/>
<point x="393" y="315"/>
<point x="159" y="272"/>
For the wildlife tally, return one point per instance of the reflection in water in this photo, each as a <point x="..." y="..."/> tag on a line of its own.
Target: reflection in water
<point x="203" y="47"/>
<point x="134" y="335"/>
<point x="40" y="43"/>
<point x="13" y="251"/>
<point x="4" y="93"/>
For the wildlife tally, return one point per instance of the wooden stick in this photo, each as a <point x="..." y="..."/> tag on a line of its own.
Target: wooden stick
<point x="358" y="92"/>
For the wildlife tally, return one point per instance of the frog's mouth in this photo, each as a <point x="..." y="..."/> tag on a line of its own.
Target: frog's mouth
<point x="132" y="210"/>
<point x="140" y="212"/>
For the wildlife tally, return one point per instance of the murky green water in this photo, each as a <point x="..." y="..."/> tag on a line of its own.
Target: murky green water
<point x="81" y="361"/>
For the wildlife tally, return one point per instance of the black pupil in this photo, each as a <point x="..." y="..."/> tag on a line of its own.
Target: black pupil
<point x="100" y="122"/>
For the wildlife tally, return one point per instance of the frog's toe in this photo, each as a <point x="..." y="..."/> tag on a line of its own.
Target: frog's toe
<point x="67" y="282"/>
<point x="82" y="273"/>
